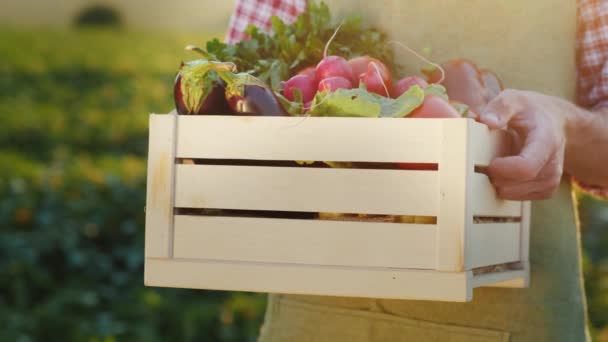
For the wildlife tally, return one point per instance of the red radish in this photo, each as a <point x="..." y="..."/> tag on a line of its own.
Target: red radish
<point x="333" y="83"/>
<point x="310" y="72"/>
<point x="304" y="83"/>
<point x="434" y="107"/>
<point x="463" y="82"/>
<point x="333" y="66"/>
<point x="377" y="79"/>
<point x="359" y="64"/>
<point x="405" y="83"/>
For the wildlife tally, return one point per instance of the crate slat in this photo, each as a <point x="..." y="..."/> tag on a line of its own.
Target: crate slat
<point x="312" y="242"/>
<point x="159" y="193"/>
<point x="493" y="243"/>
<point x="512" y="279"/>
<point x="484" y="201"/>
<point x="308" y="138"/>
<point x="302" y="279"/>
<point x="387" y="192"/>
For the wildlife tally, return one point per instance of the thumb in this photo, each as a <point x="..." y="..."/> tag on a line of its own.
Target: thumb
<point x="498" y="112"/>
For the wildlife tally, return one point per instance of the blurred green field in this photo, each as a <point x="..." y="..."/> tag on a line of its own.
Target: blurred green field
<point x="73" y="139"/>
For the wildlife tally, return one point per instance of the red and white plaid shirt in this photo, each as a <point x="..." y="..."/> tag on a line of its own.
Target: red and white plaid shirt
<point x="258" y="13"/>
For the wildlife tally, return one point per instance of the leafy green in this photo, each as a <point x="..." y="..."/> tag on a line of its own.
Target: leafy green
<point x="291" y="47"/>
<point x="361" y="103"/>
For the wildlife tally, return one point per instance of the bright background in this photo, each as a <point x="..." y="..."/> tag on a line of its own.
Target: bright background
<point x="74" y="106"/>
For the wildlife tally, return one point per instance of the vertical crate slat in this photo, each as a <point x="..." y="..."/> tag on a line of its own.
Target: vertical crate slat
<point x="454" y="173"/>
<point x="160" y="186"/>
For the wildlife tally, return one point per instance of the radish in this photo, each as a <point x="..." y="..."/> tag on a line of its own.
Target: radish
<point x="377" y="79"/>
<point x="434" y="107"/>
<point x="359" y="64"/>
<point x="405" y="83"/>
<point x="333" y="83"/>
<point x="305" y="84"/>
<point x="310" y="72"/>
<point x="333" y="66"/>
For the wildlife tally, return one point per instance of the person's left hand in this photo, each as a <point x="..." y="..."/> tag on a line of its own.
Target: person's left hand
<point x="537" y="126"/>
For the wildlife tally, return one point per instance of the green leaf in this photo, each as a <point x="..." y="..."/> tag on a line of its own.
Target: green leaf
<point x="346" y="102"/>
<point x="436" y="89"/>
<point x="404" y="104"/>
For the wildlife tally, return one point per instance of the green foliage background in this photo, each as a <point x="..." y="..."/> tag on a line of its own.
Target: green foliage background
<point x="73" y="141"/>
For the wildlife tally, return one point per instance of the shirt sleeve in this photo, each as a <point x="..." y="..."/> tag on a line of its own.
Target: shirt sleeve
<point x="592" y="53"/>
<point x="259" y="13"/>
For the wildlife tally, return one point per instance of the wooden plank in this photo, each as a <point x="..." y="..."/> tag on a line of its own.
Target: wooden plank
<point x="314" y="280"/>
<point x="493" y="244"/>
<point x="389" y="192"/>
<point x="488" y="144"/>
<point x="305" y="241"/>
<point x="525" y="230"/>
<point x="521" y="282"/>
<point x="453" y="218"/>
<point x="485" y="202"/>
<point x="159" y="193"/>
<point x="309" y="138"/>
<point x="501" y="279"/>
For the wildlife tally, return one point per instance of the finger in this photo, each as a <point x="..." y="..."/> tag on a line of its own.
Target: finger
<point x="553" y="168"/>
<point x="501" y="109"/>
<point x="538" y="149"/>
<point x="534" y="190"/>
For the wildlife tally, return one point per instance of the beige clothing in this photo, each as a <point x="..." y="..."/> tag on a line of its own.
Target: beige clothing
<point x="530" y="45"/>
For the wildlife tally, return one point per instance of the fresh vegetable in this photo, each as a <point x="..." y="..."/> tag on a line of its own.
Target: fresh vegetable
<point x="434" y="106"/>
<point x="310" y="72"/>
<point x="377" y="79"/>
<point x="304" y="84"/>
<point x="359" y="64"/>
<point x="467" y="84"/>
<point x="247" y="95"/>
<point x="334" y="83"/>
<point x="334" y="66"/>
<point x="405" y="83"/>
<point x="199" y="90"/>
<point x="276" y="57"/>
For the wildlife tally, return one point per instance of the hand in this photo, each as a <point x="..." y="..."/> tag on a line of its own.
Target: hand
<point x="538" y="127"/>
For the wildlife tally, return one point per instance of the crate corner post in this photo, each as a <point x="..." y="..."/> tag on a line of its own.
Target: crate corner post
<point x="454" y="173"/>
<point x="159" y="192"/>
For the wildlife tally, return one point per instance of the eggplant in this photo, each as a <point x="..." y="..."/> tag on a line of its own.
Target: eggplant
<point x="198" y="88"/>
<point x="247" y="95"/>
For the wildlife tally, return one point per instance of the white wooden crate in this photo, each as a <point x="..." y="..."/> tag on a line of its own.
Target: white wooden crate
<point x="342" y="258"/>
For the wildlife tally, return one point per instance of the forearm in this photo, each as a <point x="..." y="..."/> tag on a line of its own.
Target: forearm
<point x="586" y="155"/>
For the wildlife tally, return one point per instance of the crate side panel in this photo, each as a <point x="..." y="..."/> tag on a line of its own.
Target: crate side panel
<point x="484" y="201"/>
<point x="159" y="192"/>
<point x="305" y="241"/>
<point x="315" y="280"/>
<point x="493" y="243"/>
<point x="309" y="138"/>
<point x="388" y="192"/>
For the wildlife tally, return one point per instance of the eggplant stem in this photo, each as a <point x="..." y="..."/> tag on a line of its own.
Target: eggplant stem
<point x="421" y="57"/>
<point x="331" y="39"/>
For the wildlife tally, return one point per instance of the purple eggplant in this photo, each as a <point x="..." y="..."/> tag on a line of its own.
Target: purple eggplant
<point x="247" y="95"/>
<point x="199" y="90"/>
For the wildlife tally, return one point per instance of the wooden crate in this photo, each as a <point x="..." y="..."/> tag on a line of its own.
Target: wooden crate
<point x="439" y="261"/>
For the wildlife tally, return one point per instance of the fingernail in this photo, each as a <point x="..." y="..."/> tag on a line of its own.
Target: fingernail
<point x="491" y="119"/>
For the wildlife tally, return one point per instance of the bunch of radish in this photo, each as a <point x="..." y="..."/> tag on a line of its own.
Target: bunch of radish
<point x="335" y="72"/>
